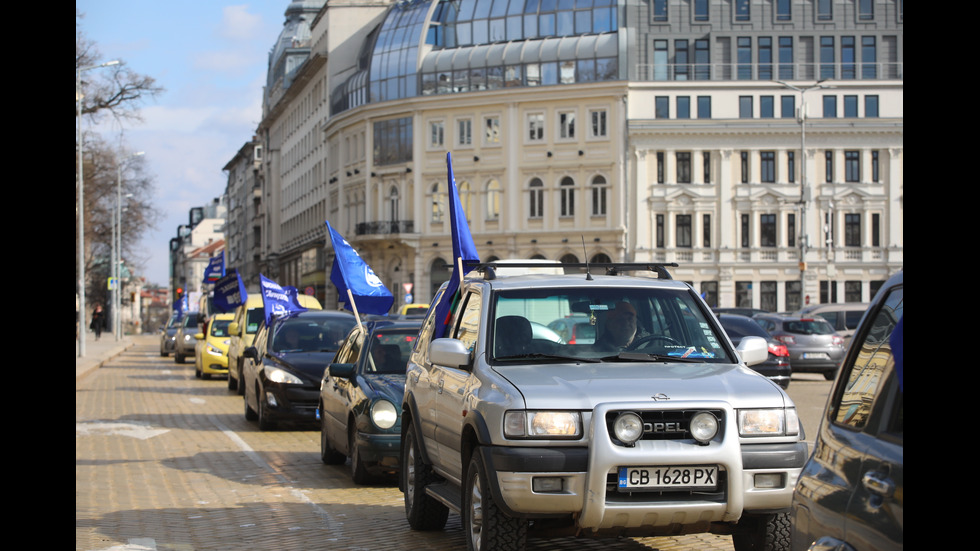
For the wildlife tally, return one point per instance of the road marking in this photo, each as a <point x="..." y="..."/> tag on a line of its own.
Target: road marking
<point x="141" y="431"/>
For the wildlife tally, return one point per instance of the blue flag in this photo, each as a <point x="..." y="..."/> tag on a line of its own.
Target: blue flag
<point x="278" y="300"/>
<point x="229" y="292"/>
<point x="897" y="343"/>
<point x="215" y="269"/>
<point x="464" y="253"/>
<point x="351" y="273"/>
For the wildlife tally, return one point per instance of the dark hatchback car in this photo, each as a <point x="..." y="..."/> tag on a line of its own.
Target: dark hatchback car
<point x="360" y="398"/>
<point x="851" y="493"/>
<point x="814" y="346"/>
<point x="168" y="336"/>
<point x="284" y="365"/>
<point x="777" y="367"/>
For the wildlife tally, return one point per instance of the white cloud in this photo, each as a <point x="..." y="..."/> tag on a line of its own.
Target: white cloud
<point x="238" y="24"/>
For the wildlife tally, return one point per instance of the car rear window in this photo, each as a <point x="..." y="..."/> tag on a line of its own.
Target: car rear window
<point x="738" y="328"/>
<point x="808" y="327"/>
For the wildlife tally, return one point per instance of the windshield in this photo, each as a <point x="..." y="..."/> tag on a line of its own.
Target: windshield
<point x="253" y="318"/>
<point x="624" y="324"/>
<point x="808" y="327"/>
<point x="311" y="335"/>
<point x="219" y="328"/>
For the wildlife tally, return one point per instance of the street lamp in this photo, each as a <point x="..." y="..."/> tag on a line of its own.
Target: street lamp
<point x="116" y="271"/>
<point x="804" y="199"/>
<point x="81" y="208"/>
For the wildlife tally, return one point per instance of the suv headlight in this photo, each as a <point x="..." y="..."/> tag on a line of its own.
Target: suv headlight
<point x="768" y="422"/>
<point x="543" y="424"/>
<point x="277" y="375"/>
<point x="384" y="414"/>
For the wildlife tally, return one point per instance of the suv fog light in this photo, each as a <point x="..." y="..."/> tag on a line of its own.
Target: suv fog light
<point x="769" y="480"/>
<point x="704" y="427"/>
<point x="270" y="398"/>
<point x="628" y="428"/>
<point x="546" y="484"/>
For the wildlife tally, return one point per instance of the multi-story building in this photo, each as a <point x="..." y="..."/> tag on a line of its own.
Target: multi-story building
<point x="243" y="232"/>
<point x="196" y="242"/>
<point x="757" y="143"/>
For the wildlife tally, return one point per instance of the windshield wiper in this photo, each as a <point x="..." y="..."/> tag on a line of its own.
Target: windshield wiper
<point x="644" y="357"/>
<point x="540" y="356"/>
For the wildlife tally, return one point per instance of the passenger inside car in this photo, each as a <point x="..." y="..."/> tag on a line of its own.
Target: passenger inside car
<point x="512" y="337"/>
<point x="619" y="328"/>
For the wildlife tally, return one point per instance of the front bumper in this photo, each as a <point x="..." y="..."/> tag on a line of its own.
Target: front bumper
<point x="379" y="450"/>
<point x="292" y="402"/>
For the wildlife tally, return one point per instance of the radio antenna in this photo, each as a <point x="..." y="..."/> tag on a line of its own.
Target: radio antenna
<point x="588" y="271"/>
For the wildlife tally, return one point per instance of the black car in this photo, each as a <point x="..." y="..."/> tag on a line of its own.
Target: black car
<point x="777" y="367"/>
<point x="851" y="493"/>
<point x="284" y="365"/>
<point x="168" y="336"/>
<point x="361" y="395"/>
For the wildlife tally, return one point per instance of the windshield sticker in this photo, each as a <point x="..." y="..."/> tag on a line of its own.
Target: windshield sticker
<point x="692" y="352"/>
<point x="598" y="307"/>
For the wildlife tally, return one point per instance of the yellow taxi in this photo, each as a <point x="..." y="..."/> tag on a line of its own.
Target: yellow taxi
<point x="211" y="350"/>
<point x="413" y="310"/>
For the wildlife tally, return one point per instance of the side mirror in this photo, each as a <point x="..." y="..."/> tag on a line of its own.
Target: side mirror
<point x="233" y="329"/>
<point x="251" y="352"/>
<point x="345" y="371"/>
<point x="450" y="353"/>
<point x="753" y="350"/>
<point x="199" y="336"/>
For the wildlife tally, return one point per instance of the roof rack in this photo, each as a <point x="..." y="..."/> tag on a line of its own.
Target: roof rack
<point x="612" y="268"/>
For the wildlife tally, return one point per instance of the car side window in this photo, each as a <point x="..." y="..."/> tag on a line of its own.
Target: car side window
<point x="871" y="364"/>
<point x="469" y="321"/>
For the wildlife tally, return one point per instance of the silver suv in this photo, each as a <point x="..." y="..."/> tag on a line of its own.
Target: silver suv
<point x="657" y="427"/>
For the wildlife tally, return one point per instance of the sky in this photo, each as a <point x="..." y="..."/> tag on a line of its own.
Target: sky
<point x="211" y="58"/>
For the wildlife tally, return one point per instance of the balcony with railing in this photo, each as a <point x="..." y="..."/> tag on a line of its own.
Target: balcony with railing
<point x="769" y="71"/>
<point x="385" y="227"/>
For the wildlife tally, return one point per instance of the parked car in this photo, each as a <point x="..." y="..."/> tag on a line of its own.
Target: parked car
<point x="814" y="346"/>
<point x="243" y="327"/>
<point x="574" y="329"/>
<point x="777" y="367"/>
<point x="851" y="493"/>
<point x="740" y="311"/>
<point x="284" y="365"/>
<point x="663" y="432"/>
<point x="842" y="316"/>
<point x="184" y="341"/>
<point x="211" y="350"/>
<point x="360" y="398"/>
<point x="168" y="335"/>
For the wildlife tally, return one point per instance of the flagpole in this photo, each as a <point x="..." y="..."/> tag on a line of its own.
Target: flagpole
<point x="353" y="306"/>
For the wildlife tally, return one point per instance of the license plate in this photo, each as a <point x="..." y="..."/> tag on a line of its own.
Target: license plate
<point x="815" y="356"/>
<point x="690" y="477"/>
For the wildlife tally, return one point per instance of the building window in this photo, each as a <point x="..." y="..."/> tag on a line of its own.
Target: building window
<point x="493" y="200"/>
<point x="491" y="130"/>
<point x="828" y="166"/>
<point x="852" y="166"/>
<point x="744" y="55"/>
<point x="767" y="166"/>
<point x="765" y="58"/>
<point x="742" y="11"/>
<point x="437" y="132"/>
<point x="704" y="107"/>
<point x="745" y="167"/>
<point x="876" y="230"/>
<point x="567" y="188"/>
<point x="875" y="167"/>
<point x="660" y="60"/>
<point x="784" y="10"/>
<point x="786" y="57"/>
<point x="791" y="166"/>
<point x="566" y="125"/>
<point x="866" y="10"/>
<point x="683" y="229"/>
<point x="598" y="196"/>
<point x="743" y="294"/>
<point x="825" y="10"/>
<point x="660" y="167"/>
<point x="464" y="135"/>
<point x="702" y="60"/>
<point x="830" y="107"/>
<point x="826" y="57"/>
<point x="745" y="230"/>
<point x="791" y="230"/>
<point x="683" y="107"/>
<point x="706" y="230"/>
<point x="466" y="199"/>
<point x="767" y="230"/>
<point x="598" y="119"/>
<point x="745" y="107"/>
<point x="393" y="201"/>
<point x="683" y="167"/>
<point x="869" y="58"/>
<point x="871" y="106"/>
<point x="660" y="231"/>
<point x="662" y="107"/>
<point x="787" y="107"/>
<point x="701" y="10"/>
<point x="793" y="291"/>
<point x="848" y="58"/>
<point x="438" y="204"/>
<point x="709" y="290"/>
<point x="660" y="11"/>
<point x="767" y="108"/>
<point x="682" y="67"/>
<point x="850" y="107"/>
<point x="535" y="127"/>
<point x="852" y="230"/>
<point x="767" y="295"/>
<point x="706" y="162"/>
<point x="535" y="198"/>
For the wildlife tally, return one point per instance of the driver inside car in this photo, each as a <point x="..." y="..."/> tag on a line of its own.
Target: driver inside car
<point x="620" y="328"/>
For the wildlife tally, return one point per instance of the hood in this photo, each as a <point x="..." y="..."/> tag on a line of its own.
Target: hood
<point x="310" y="364"/>
<point x="388" y="386"/>
<point x="583" y="386"/>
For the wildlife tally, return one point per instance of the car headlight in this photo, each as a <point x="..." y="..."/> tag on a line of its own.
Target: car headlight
<point x="277" y="375"/>
<point x="542" y="424"/>
<point x="628" y="428"/>
<point x="768" y="422"/>
<point x="384" y="414"/>
<point x="704" y="427"/>
<point x="214" y="350"/>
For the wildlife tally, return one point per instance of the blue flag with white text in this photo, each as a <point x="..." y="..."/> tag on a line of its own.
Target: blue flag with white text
<point x="351" y="273"/>
<point x="464" y="253"/>
<point x="229" y="292"/>
<point x="215" y="269"/>
<point x="278" y="300"/>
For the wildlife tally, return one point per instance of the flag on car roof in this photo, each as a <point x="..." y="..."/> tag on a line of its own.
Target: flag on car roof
<point x="215" y="269"/>
<point x="355" y="279"/>
<point x="464" y="253"/>
<point x="229" y="292"/>
<point x="278" y="300"/>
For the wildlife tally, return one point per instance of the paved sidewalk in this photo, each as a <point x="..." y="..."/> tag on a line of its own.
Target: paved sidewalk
<point x="99" y="351"/>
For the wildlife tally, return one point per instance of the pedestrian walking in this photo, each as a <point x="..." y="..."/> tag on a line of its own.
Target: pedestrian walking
<point x="98" y="321"/>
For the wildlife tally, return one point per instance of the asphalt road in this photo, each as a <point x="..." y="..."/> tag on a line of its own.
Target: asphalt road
<point x="165" y="461"/>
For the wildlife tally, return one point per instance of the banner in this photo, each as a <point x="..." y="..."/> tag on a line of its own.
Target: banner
<point x="356" y="280"/>
<point x="278" y="300"/>
<point x="215" y="269"/>
<point x="464" y="254"/>
<point x="229" y="292"/>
